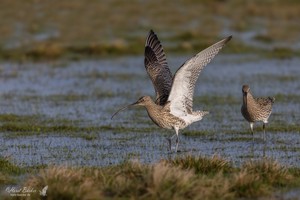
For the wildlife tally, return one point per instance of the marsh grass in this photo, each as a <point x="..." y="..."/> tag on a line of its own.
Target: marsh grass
<point x="31" y="125"/>
<point x="198" y="132"/>
<point x="256" y="178"/>
<point x="5" y="179"/>
<point x="8" y="171"/>
<point x="19" y="130"/>
<point x="182" y="178"/>
<point x="212" y="100"/>
<point x="28" y="125"/>
<point x="70" y="97"/>
<point x="9" y="168"/>
<point x="274" y="126"/>
<point x="280" y="127"/>
<point x="55" y="30"/>
<point x="282" y="53"/>
<point x="287" y="98"/>
<point x="278" y="78"/>
<point x="263" y="38"/>
<point x="203" y="165"/>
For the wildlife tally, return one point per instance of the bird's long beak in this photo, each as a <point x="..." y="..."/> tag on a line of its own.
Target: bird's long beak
<point x="245" y="98"/>
<point x="123" y="108"/>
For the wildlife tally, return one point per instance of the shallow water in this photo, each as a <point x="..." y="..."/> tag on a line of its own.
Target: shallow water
<point x="89" y="91"/>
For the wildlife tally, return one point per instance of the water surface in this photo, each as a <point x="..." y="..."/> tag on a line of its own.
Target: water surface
<point x="86" y="93"/>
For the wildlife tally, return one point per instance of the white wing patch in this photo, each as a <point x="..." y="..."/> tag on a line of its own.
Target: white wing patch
<point x="182" y="91"/>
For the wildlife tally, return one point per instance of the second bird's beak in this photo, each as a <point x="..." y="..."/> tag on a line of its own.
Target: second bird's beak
<point x="123" y="108"/>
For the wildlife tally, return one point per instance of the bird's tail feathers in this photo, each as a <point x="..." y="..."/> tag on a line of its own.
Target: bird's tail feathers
<point x="272" y="99"/>
<point x="205" y="113"/>
<point x="201" y="113"/>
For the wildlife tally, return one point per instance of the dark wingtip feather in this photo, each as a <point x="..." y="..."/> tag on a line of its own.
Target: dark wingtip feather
<point x="151" y="38"/>
<point x="151" y="33"/>
<point x="150" y="56"/>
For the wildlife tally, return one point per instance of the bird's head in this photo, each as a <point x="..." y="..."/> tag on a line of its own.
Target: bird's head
<point x="144" y="100"/>
<point x="245" y="90"/>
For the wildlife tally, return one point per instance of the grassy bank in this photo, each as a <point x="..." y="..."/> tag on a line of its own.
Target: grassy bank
<point x="180" y="178"/>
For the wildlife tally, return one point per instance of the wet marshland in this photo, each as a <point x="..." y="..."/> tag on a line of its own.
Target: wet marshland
<point x="59" y="112"/>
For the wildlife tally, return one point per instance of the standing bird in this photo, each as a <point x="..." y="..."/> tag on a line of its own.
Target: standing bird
<point x="173" y="107"/>
<point x="256" y="109"/>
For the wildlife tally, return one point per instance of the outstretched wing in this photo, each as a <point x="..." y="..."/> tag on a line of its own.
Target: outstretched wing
<point x="157" y="68"/>
<point x="181" y="95"/>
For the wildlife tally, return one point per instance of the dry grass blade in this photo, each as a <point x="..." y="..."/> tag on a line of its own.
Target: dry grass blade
<point x="181" y="178"/>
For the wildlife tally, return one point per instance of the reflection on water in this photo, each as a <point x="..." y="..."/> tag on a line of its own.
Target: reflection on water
<point x="90" y="91"/>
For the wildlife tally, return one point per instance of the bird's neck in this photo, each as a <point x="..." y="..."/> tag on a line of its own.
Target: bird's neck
<point x="249" y="99"/>
<point x="153" y="109"/>
<point x="152" y="106"/>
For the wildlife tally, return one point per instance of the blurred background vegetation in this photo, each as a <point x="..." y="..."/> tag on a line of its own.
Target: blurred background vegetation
<point x="74" y="29"/>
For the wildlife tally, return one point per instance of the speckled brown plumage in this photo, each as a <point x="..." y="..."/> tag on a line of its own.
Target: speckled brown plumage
<point x="256" y="109"/>
<point x="161" y="115"/>
<point x="157" y="68"/>
<point x="173" y="106"/>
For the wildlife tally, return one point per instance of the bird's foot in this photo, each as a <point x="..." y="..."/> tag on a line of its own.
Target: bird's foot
<point x="178" y="151"/>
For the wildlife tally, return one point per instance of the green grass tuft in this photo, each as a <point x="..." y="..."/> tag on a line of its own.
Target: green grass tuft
<point x="182" y="178"/>
<point x="203" y="165"/>
<point x="282" y="53"/>
<point x="8" y="171"/>
<point x="198" y="133"/>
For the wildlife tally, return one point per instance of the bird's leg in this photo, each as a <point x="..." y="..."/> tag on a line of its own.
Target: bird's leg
<point x="170" y="142"/>
<point x="251" y="127"/>
<point x="264" y="151"/>
<point x="177" y="139"/>
<point x="264" y="129"/>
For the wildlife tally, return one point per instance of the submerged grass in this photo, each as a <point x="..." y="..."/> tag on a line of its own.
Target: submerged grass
<point x="27" y="125"/>
<point x="287" y="98"/>
<point x="198" y="133"/>
<point x="182" y="178"/>
<point x="20" y="130"/>
<point x="273" y="126"/>
<point x="212" y="100"/>
<point x="280" y="127"/>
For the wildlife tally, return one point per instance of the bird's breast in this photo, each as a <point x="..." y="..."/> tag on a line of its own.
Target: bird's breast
<point x="165" y="119"/>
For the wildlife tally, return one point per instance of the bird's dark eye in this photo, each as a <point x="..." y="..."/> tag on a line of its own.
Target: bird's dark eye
<point x="141" y="99"/>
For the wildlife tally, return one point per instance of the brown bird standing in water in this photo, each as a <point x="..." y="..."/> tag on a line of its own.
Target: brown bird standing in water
<point x="173" y="107"/>
<point x="256" y="109"/>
